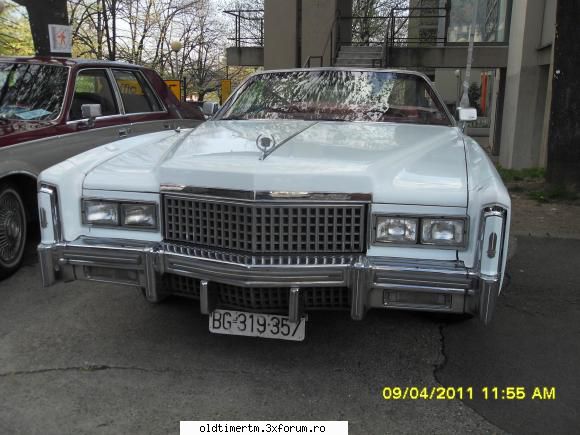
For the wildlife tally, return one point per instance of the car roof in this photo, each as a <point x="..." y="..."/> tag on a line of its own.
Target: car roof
<point x="65" y="61"/>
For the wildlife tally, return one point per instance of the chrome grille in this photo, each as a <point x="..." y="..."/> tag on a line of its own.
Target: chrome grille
<point x="260" y="298"/>
<point x="265" y="227"/>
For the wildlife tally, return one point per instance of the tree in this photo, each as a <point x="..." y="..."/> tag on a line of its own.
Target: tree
<point x="249" y="16"/>
<point x="370" y="23"/>
<point x="15" y="37"/>
<point x="93" y="30"/>
<point x="40" y="15"/>
<point x="563" y="169"/>
<point x="141" y="32"/>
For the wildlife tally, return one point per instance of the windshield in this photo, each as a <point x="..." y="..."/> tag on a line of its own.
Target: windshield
<point x="338" y="96"/>
<point x="31" y="92"/>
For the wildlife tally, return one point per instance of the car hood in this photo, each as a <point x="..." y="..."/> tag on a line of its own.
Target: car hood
<point x="396" y="163"/>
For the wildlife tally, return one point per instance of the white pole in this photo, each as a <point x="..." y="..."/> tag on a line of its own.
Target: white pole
<point x="465" y="98"/>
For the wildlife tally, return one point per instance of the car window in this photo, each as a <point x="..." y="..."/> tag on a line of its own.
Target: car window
<point x="31" y="92"/>
<point x="93" y="87"/>
<point x="136" y="94"/>
<point x="338" y="96"/>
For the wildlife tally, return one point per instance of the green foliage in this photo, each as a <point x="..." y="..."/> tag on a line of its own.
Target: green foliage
<point x="530" y="182"/>
<point x="15" y="36"/>
<point x="510" y="175"/>
<point x="553" y="194"/>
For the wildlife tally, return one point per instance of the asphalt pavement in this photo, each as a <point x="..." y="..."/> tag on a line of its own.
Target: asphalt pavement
<point x="96" y="358"/>
<point x="534" y="341"/>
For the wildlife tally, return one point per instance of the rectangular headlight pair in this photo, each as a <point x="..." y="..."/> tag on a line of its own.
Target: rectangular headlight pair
<point x="424" y="231"/>
<point x="124" y="214"/>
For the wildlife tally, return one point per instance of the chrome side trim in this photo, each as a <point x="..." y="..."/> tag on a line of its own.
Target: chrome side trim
<point x="486" y="212"/>
<point x="490" y="285"/>
<point x="489" y="292"/>
<point x="312" y="196"/>
<point x="359" y="282"/>
<point x="251" y="195"/>
<point x="294" y="305"/>
<point x="47" y="269"/>
<point x="256" y="260"/>
<point x="256" y="276"/>
<point x="52" y="192"/>
<point x="143" y="264"/>
<point x="208" y="191"/>
<point x="207" y="298"/>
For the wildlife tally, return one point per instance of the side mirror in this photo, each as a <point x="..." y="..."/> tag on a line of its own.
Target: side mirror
<point x="210" y="108"/>
<point x="90" y="112"/>
<point x="467" y="114"/>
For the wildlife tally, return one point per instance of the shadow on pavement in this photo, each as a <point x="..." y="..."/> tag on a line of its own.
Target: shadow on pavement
<point x="533" y="341"/>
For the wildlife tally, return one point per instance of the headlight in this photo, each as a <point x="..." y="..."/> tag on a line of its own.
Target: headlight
<point x="121" y="214"/>
<point x="139" y="215"/>
<point x="449" y="232"/>
<point x="409" y="230"/>
<point x="395" y="229"/>
<point x="100" y="212"/>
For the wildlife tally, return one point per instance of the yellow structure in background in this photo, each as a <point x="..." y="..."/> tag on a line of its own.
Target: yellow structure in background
<point x="175" y="87"/>
<point x="226" y="89"/>
<point x="131" y="87"/>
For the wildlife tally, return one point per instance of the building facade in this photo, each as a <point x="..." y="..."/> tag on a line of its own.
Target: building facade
<point x="510" y="83"/>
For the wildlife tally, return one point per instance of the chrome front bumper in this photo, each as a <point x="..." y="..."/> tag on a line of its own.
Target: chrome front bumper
<point x="373" y="282"/>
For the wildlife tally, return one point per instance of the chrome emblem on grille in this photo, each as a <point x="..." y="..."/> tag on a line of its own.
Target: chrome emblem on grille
<point x="265" y="143"/>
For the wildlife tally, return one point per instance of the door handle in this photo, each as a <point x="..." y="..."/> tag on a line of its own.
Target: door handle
<point x="124" y="132"/>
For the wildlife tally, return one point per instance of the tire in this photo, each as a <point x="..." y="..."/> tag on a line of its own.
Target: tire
<point x="13" y="229"/>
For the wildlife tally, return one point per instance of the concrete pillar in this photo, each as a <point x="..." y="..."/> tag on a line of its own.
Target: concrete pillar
<point x="297" y="29"/>
<point x="526" y="85"/>
<point x="318" y="21"/>
<point x="281" y="34"/>
<point x="344" y="10"/>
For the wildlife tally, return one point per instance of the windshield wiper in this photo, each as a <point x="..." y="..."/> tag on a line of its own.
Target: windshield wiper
<point x="292" y="136"/>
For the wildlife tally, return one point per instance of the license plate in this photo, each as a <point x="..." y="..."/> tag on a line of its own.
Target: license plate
<point x="256" y="325"/>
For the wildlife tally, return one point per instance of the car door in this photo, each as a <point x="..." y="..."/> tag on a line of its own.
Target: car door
<point x="96" y="86"/>
<point x="145" y="109"/>
<point x="74" y="134"/>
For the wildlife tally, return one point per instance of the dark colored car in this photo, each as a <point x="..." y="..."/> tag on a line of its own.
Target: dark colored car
<point x="54" y="108"/>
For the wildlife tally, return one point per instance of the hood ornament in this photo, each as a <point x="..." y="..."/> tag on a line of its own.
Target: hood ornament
<point x="265" y="143"/>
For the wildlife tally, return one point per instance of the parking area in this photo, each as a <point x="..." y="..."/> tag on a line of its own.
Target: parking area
<point x="97" y="358"/>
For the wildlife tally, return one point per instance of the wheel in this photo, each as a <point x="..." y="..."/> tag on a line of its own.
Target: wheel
<point x="12" y="229"/>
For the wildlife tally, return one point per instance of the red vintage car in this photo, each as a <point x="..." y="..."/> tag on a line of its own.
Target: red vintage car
<point x="54" y="108"/>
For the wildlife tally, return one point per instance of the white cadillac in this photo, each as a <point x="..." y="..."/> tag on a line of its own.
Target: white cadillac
<point x="310" y="189"/>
